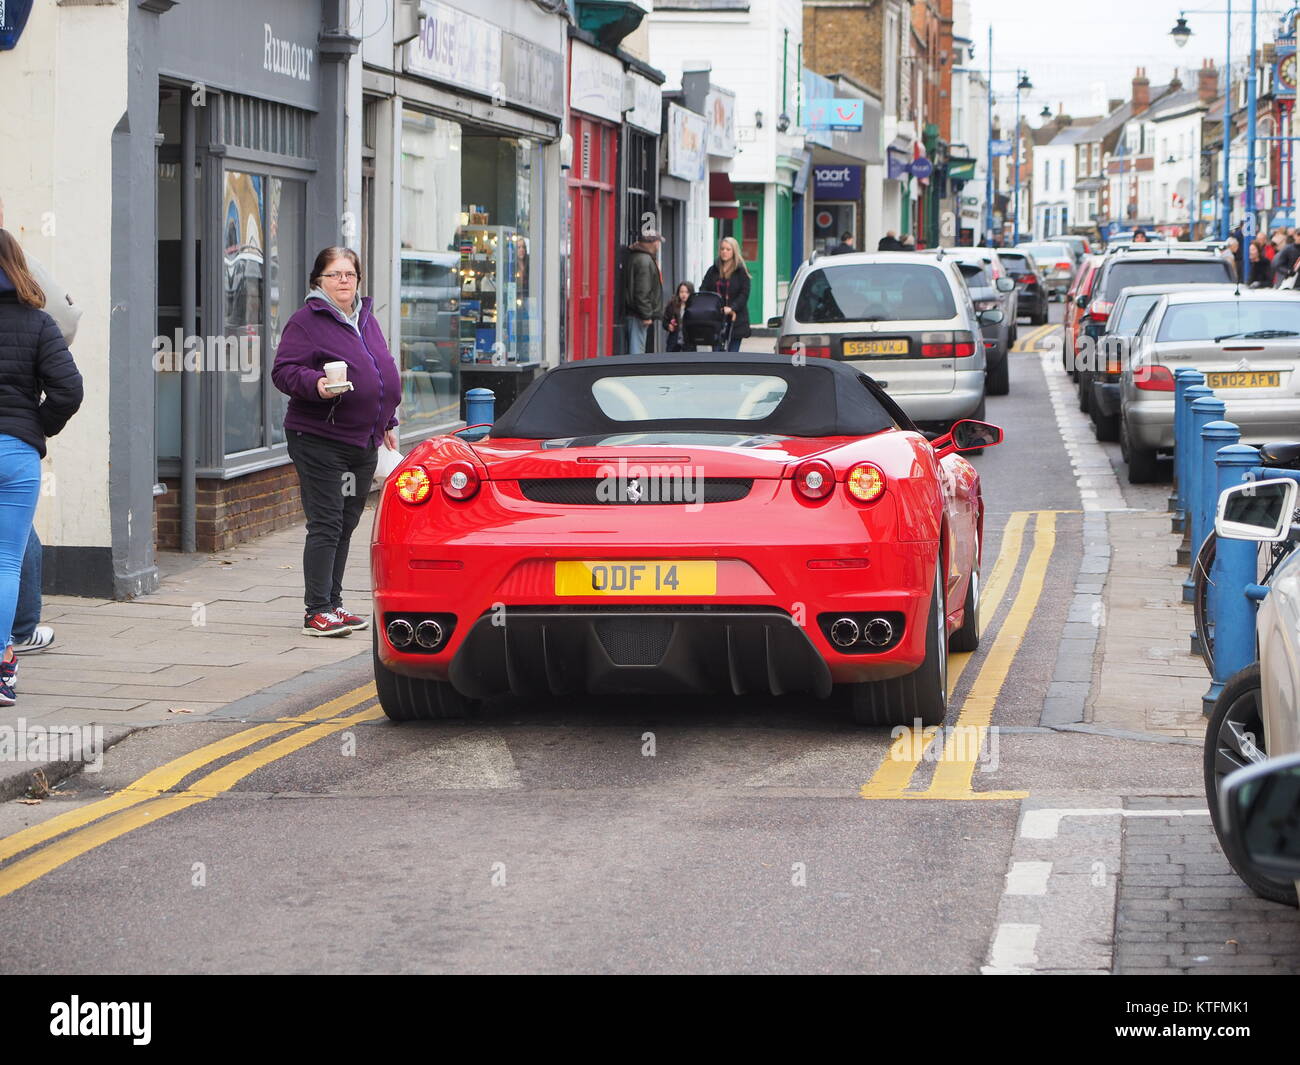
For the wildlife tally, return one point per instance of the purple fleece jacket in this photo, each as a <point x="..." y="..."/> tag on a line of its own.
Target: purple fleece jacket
<point x="316" y="334"/>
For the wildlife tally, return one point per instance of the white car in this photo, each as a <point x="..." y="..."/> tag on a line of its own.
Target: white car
<point x="1257" y="717"/>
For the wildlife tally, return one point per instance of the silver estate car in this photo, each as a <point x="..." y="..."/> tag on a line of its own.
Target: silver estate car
<point x="1245" y="341"/>
<point x="906" y="318"/>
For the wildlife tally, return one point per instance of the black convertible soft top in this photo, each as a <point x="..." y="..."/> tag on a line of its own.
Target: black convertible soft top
<point x="823" y="398"/>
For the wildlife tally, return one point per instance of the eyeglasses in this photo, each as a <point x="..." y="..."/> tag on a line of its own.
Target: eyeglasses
<point x="341" y="275"/>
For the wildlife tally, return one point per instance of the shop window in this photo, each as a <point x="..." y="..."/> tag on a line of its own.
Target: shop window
<point x="469" y="290"/>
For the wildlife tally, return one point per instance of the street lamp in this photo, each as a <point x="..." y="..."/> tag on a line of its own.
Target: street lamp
<point x="1046" y="112"/>
<point x="1023" y="85"/>
<point x="1180" y="33"/>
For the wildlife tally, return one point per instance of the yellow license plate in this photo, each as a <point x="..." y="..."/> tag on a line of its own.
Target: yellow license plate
<point x="1244" y="379"/>
<point x="874" y="347"/>
<point x="636" y="578"/>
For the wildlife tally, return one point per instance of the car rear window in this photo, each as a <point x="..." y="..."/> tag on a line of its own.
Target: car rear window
<point x="875" y="292"/>
<point x="1015" y="264"/>
<point x="1124" y="275"/>
<point x="1049" y="253"/>
<point x="1131" y="314"/>
<point x="710" y="397"/>
<point x="1229" y="318"/>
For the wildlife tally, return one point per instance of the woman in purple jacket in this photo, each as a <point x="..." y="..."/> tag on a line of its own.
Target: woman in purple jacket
<point x="333" y="437"/>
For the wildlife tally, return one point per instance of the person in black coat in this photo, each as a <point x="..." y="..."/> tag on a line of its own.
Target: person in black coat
<point x="729" y="278"/>
<point x="1284" y="262"/>
<point x="40" y="389"/>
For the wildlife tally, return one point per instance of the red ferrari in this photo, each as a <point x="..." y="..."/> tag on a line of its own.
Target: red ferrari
<point x="682" y="523"/>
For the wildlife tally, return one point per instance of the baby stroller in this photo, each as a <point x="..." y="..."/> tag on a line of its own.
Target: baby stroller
<point x="703" y="322"/>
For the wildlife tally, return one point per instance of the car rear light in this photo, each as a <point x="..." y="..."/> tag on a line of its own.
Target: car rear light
<point x="959" y="345"/>
<point x="1064" y="266"/>
<point x="436" y="563"/>
<point x="986" y="305"/>
<point x="812" y="347"/>
<point x="838" y="563"/>
<point x="459" y="480"/>
<point x="1099" y="310"/>
<point x="1026" y="279"/>
<point x="814" y="479"/>
<point x="865" y="482"/>
<point x="413" y="484"/>
<point x="1154" y="379"/>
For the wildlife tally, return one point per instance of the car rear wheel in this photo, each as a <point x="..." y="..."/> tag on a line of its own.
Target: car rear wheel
<point x="1235" y="738"/>
<point x="921" y="694"/>
<point x="1085" y="391"/>
<point x="997" y="379"/>
<point x="414" y="698"/>
<point x="1105" y="427"/>
<point x="1143" y="466"/>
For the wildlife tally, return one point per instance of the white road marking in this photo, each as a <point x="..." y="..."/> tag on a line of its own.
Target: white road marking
<point x="1044" y="824"/>
<point x="478" y="759"/>
<point x="1098" y="487"/>
<point x="1028" y="878"/>
<point x="1012" y="953"/>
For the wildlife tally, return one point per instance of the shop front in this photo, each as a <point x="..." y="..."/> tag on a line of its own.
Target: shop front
<point x="837" y="200"/>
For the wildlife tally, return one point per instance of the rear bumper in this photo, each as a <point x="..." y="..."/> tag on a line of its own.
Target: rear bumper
<point x="962" y="402"/>
<point x="1260" y="420"/>
<point x="556" y="652"/>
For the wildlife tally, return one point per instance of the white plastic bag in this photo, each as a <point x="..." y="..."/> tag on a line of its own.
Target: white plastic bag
<point x="389" y="460"/>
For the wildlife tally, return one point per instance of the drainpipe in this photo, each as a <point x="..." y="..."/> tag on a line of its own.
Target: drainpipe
<point x="189" y="328"/>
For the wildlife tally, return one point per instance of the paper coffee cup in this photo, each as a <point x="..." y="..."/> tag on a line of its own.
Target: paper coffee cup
<point x="336" y="372"/>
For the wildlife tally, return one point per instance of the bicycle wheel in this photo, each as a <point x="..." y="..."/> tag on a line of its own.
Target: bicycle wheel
<point x="1202" y="569"/>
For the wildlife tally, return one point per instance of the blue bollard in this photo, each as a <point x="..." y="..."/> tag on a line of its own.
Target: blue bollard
<point x="1231" y="611"/>
<point x="1183" y="380"/>
<point x="1205" y="409"/>
<point x="1214" y="435"/>
<point x="480" y="405"/>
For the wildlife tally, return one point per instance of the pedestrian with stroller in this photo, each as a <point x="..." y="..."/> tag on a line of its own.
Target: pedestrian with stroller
<point x="729" y="278"/>
<point x="673" y="312"/>
<point x="40" y="389"/>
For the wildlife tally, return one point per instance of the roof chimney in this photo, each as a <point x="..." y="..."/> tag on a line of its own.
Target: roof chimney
<point x="1207" y="84"/>
<point x="1141" y="91"/>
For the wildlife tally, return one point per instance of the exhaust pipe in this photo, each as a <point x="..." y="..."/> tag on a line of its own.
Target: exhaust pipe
<point x="428" y="634"/>
<point x="845" y="632"/>
<point x="878" y="632"/>
<point x="400" y="633"/>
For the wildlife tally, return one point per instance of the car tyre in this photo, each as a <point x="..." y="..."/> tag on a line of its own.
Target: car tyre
<point x="1143" y="466"/>
<point x="1105" y="427"/>
<point x="922" y="693"/>
<point x="967" y="638"/>
<point x="416" y="698"/>
<point x="997" y="379"/>
<point x="1234" y="737"/>
<point x="1085" y="391"/>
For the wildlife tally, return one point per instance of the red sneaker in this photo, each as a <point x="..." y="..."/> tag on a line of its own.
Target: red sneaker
<point x="353" y="621"/>
<point x="325" y="625"/>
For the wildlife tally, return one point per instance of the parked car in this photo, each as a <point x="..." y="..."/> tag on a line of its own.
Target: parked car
<point x="643" y="524"/>
<point x="1245" y="341"/>
<point x="1076" y="298"/>
<point x="906" y="318"/>
<point x="1058" y="263"/>
<point x="1111" y="344"/>
<point x="1079" y="244"/>
<point x="1255" y="724"/>
<point x="991" y="288"/>
<point x="1033" y="298"/>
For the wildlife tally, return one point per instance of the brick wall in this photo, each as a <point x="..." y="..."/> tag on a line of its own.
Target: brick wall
<point x="845" y="39"/>
<point x="231" y="512"/>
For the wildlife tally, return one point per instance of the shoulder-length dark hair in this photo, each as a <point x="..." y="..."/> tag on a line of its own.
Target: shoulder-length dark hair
<point x="14" y="263"/>
<point x="675" y="304"/>
<point x="327" y="256"/>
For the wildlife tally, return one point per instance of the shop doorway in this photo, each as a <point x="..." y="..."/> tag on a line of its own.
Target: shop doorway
<point x="592" y="208"/>
<point x="751" y="244"/>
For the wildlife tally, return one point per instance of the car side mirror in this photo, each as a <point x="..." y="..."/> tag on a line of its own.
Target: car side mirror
<point x="774" y="323"/>
<point x="967" y="435"/>
<point x="1081" y="302"/>
<point x="1258" y="510"/>
<point x="993" y="317"/>
<point x="1260" y="813"/>
<point x="1006" y="284"/>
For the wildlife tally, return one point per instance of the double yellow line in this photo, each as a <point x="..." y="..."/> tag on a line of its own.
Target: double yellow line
<point x="1030" y="343"/>
<point x="151" y="797"/>
<point x="954" y="771"/>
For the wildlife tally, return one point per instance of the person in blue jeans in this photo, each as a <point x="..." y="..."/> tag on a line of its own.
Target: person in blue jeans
<point x="40" y="389"/>
<point x="29" y="634"/>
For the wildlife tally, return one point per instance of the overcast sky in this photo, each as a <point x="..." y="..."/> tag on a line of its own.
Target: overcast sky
<point x="1071" y="48"/>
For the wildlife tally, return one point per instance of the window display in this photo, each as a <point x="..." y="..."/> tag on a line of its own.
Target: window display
<point x="467" y="287"/>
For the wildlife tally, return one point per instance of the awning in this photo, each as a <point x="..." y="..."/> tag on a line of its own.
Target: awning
<point x="722" y="197"/>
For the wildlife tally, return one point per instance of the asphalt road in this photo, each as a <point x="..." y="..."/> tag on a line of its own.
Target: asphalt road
<point x="608" y="835"/>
